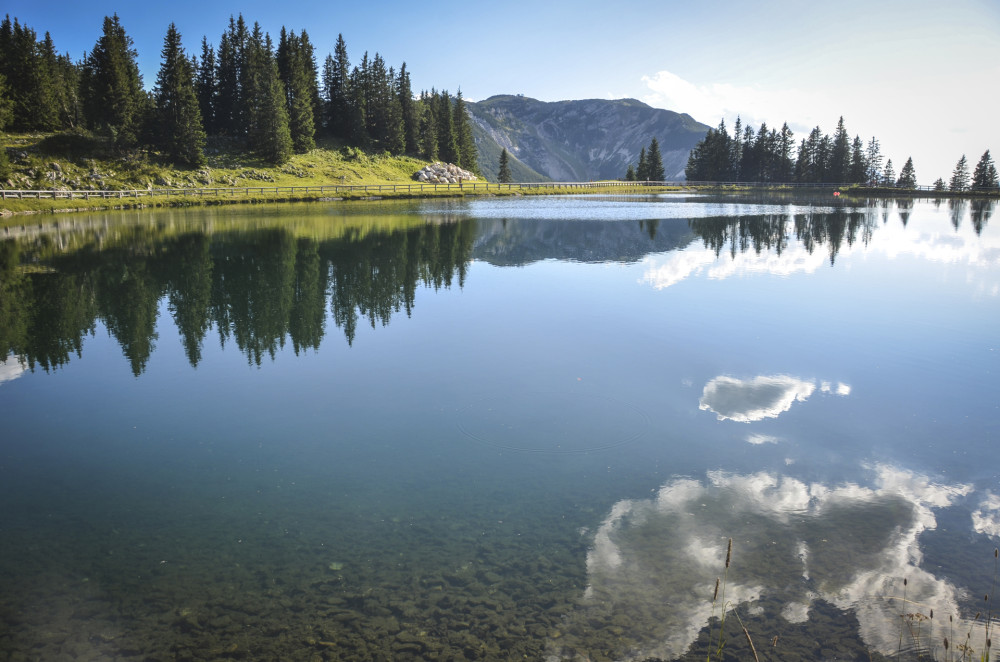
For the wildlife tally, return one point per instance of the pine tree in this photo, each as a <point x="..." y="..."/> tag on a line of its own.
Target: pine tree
<point x="504" y="176"/>
<point x="840" y="154"/>
<point x="642" y="169"/>
<point x="873" y="160"/>
<point x="630" y="173"/>
<point x="960" y="176"/>
<point x="859" y="168"/>
<point x="907" y="176"/>
<point x="268" y="116"/>
<point x="113" y="98"/>
<point x="408" y="110"/>
<point x="206" y="86"/>
<point x="467" y="157"/>
<point x="295" y="67"/>
<point x="6" y="108"/>
<point x="654" y="162"/>
<point x="889" y="176"/>
<point x="178" y="119"/>
<point x="938" y="184"/>
<point x="428" y="128"/>
<point x="336" y="90"/>
<point x="447" y="144"/>
<point x="985" y="174"/>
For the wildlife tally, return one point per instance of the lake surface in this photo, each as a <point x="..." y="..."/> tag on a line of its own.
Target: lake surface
<point x="501" y="428"/>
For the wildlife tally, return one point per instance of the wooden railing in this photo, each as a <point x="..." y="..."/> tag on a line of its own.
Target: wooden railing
<point x="332" y="189"/>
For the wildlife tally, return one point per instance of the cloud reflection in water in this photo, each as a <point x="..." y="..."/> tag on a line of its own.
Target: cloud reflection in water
<point x="653" y="562"/>
<point x="747" y="400"/>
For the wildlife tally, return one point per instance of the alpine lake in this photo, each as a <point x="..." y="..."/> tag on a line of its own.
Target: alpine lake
<point x="502" y="428"/>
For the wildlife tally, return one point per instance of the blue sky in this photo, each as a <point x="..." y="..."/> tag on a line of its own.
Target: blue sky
<point x="920" y="76"/>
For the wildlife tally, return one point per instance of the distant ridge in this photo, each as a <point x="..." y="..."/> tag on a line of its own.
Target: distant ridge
<point x="578" y="140"/>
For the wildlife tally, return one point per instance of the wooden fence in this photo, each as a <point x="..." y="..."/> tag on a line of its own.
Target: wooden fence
<point x="332" y="190"/>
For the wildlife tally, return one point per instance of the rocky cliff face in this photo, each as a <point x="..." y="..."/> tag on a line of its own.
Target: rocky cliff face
<point x="581" y="140"/>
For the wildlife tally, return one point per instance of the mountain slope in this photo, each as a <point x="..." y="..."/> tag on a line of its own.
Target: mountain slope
<point x="581" y="140"/>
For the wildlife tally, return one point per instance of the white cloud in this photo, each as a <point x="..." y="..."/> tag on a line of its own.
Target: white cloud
<point x="746" y="400"/>
<point x="11" y="368"/>
<point x="653" y="562"/>
<point x="758" y="439"/>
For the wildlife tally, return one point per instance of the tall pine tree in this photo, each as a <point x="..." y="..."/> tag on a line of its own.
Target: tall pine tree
<point x="178" y="119"/>
<point x="467" y="157"/>
<point x="113" y="99"/>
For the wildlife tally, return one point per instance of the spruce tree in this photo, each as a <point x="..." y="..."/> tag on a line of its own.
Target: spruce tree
<point x="859" y="168"/>
<point x="6" y="108"/>
<point x="178" y="119"/>
<point x="337" y="94"/>
<point x="960" y="176"/>
<point x="428" y="128"/>
<point x="295" y="67"/>
<point x="873" y="159"/>
<point x="268" y="116"/>
<point x="504" y="176"/>
<point x="467" y="157"/>
<point x="630" y="173"/>
<point x="408" y="110"/>
<point x="447" y="144"/>
<point x="840" y="154"/>
<point x="206" y="86"/>
<point x="654" y="162"/>
<point x="907" y="176"/>
<point x="642" y="170"/>
<point x="113" y="98"/>
<point x="889" y="176"/>
<point x="985" y="174"/>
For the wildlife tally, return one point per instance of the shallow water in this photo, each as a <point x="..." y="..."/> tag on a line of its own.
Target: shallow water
<point x="500" y="428"/>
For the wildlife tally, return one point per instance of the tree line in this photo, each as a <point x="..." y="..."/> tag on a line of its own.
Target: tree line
<point x="771" y="155"/>
<point x="270" y="97"/>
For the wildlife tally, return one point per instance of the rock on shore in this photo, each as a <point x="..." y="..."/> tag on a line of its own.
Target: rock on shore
<point x="443" y="173"/>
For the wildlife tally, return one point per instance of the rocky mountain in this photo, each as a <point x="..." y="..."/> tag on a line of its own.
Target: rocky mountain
<point x="578" y="140"/>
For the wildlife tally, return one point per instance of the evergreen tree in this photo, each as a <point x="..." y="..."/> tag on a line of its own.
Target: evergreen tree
<point x="785" y="166"/>
<point x="859" y="167"/>
<point x="960" y="176"/>
<point x="113" y="98"/>
<point x="296" y="68"/>
<point x="428" y="128"/>
<point x="654" y="162"/>
<point x="840" y="154"/>
<point x="6" y="108"/>
<point x="447" y="143"/>
<point x="206" y="86"/>
<point x="230" y="105"/>
<point x="907" y="176"/>
<point x="467" y="156"/>
<point x="736" y="151"/>
<point x="630" y="173"/>
<point x="178" y="119"/>
<point x="889" y="176"/>
<point x="504" y="176"/>
<point x="985" y="174"/>
<point x="938" y="184"/>
<point x="337" y="92"/>
<point x="873" y="160"/>
<point x="642" y="169"/>
<point x="268" y="116"/>
<point x="408" y="111"/>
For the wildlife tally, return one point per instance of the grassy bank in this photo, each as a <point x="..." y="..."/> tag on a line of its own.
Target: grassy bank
<point x="85" y="165"/>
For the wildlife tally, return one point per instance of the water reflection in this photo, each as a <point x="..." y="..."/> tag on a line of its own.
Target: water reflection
<point x="653" y="563"/>
<point x="256" y="287"/>
<point x="746" y="400"/>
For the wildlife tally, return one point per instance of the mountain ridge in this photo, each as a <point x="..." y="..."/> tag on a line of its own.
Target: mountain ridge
<point x="579" y="140"/>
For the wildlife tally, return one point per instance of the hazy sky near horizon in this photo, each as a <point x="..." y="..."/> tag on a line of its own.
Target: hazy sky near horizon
<point x="920" y="76"/>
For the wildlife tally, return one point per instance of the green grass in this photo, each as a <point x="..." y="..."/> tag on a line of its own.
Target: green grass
<point x="82" y="162"/>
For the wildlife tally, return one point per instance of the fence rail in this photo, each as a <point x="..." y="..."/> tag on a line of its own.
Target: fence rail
<point x="421" y="188"/>
<point x="331" y="189"/>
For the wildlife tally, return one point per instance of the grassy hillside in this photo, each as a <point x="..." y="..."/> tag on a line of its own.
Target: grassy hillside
<point x="80" y="162"/>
